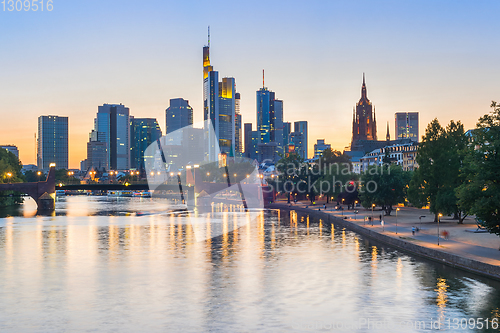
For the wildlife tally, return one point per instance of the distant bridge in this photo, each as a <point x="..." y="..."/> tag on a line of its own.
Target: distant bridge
<point x="42" y="192"/>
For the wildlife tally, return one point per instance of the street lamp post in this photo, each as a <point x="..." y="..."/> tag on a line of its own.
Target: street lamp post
<point x="439" y="220"/>
<point x="373" y="206"/>
<point x="420" y="218"/>
<point x="397" y="210"/>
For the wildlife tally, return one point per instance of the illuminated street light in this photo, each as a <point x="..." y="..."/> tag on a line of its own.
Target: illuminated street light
<point x="439" y="220"/>
<point x="397" y="210"/>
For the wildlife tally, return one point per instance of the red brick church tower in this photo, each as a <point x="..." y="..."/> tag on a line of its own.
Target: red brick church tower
<point x="364" y="123"/>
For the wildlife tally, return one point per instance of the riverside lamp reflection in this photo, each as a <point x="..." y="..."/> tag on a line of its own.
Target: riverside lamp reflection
<point x="215" y="192"/>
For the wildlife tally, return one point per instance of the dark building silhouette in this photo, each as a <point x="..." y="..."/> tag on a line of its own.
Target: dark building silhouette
<point x="364" y="123"/>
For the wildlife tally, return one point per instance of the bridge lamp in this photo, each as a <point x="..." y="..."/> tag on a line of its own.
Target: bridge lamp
<point x="39" y="173"/>
<point x="188" y="167"/>
<point x="196" y="165"/>
<point x="235" y="175"/>
<point x="52" y="165"/>
<point x="208" y="173"/>
<point x="171" y="174"/>
<point x="224" y="175"/>
<point x="178" y="173"/>
<point x="158" y="173"/>
<point x="248" y="176"/>
<point x="9" y="174"/>
<point x="152" y="173"/>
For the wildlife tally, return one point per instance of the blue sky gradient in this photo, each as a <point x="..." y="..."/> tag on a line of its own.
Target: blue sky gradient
<point x="436" y="57"/>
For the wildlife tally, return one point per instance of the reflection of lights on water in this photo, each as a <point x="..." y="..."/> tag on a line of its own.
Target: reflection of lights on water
<point x="442" y="297"/>
<point x="374" y="256"/>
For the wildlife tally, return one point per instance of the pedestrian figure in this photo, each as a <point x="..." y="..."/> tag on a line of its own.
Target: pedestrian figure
<point x="380" y="217"/>
<point x="324" y="206"/>
<point x="413" y="231"/>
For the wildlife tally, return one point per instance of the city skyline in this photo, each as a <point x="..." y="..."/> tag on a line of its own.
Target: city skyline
<point x="439" y="62"/>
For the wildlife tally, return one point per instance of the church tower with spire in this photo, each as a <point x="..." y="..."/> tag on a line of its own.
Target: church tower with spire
<point x="364" y="123"/>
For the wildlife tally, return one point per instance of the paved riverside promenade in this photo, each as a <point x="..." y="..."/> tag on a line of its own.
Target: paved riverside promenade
<point x="462" y="241"/>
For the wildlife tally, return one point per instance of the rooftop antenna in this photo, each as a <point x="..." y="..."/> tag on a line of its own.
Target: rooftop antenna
<point x="208" y="36"/>
<point x="263" y="79"/>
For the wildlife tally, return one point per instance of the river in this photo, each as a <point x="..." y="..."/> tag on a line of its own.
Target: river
<point x="130" y="265"/>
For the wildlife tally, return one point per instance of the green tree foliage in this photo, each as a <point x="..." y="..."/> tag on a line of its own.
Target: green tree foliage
<point x="63" y="177"/>
<point x="289" y="174"/>
<point x="440" y="157"/>
<point x="32" y="176"/>
<point x="10" y="171"/>
<point x="335" y="173"/>
<point x="384" y="186"/>
<point x="480" y="193"/>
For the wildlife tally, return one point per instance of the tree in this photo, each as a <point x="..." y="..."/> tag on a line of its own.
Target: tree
<point x="384" y="186"/>
<point x="289" y="172"/>
<point x="33" y="176"/>
<point x="335" y="172"/>
<point x="440" y="158"/>
<point x="480" y="193"/>
<point x="10" y="171"/>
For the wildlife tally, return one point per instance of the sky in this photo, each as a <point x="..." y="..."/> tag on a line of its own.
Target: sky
<point x="439" y="58"/>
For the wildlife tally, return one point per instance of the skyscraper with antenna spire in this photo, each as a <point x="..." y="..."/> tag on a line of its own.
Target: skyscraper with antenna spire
<point x="219" y="106"/>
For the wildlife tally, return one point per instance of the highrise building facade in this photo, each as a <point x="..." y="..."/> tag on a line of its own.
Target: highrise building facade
<point x="112" y="126"/>
<point x="11" y="148"/>
<point x="238" y="127"/>
<point x="287" y="129"/>
<point x="319" y="147"/>
<point x="300" y="127"/>
<point x="248" y="140"/>
<point x="52" y="142"/>
<point x="178" y="115"/>
<point x="407" y="125"/>
<point x="364" y="123"/>
<point x="143" y="132"/>
<point x="219" y="107"/>
<point x="269" y="125"/>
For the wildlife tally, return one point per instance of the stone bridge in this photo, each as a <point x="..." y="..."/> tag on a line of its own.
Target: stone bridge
<point x="44" y="193"/>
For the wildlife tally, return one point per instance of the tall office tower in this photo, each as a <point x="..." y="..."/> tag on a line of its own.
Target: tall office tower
<point x="218" y="107"/>
<point x="97" y="156"/>
<point x="278" y="125"/>
<point x="52" y="142"/>
<point x="111" y="126"/>
<point x="11" y="148"/>
<point x="364" y="123"/>
<point x="296" y="144"/>
<point x="301" y="127"/>
<point x="143" y="132"/>
<point x="319" y="147"/>
<point x="178" y="115"/>
<point x="269" y="124"/>
<point x="248" y="140"/>
<point x="237" y="126"/>
<point x="287" y="129"/>
<point x="407" y="125"/>
<point x="227" y="116"/>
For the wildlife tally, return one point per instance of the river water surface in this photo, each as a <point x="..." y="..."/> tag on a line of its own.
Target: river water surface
<point x="127" y="265"/>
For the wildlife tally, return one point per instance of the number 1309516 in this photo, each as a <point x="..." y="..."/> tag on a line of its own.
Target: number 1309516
<point x="27" y="5"/>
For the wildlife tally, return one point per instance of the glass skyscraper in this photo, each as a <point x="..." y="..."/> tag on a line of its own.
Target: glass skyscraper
<point x="407" y="125"/>
<point x="52" y="142"/>
<point x="178" y="115"/>
<point x="219" y="107"/>
<point x="111" y="126"/>
<point x="143" y="132"/>
<point x="269" y="124"/>
<point x="301" y="127"/>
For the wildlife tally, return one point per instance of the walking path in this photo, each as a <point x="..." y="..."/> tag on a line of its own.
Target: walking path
<point x="462" y="241"/>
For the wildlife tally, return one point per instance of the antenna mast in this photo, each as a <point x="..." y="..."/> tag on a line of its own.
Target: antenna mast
<point x="208" y="36"/>
<point x="263" y="85"/>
